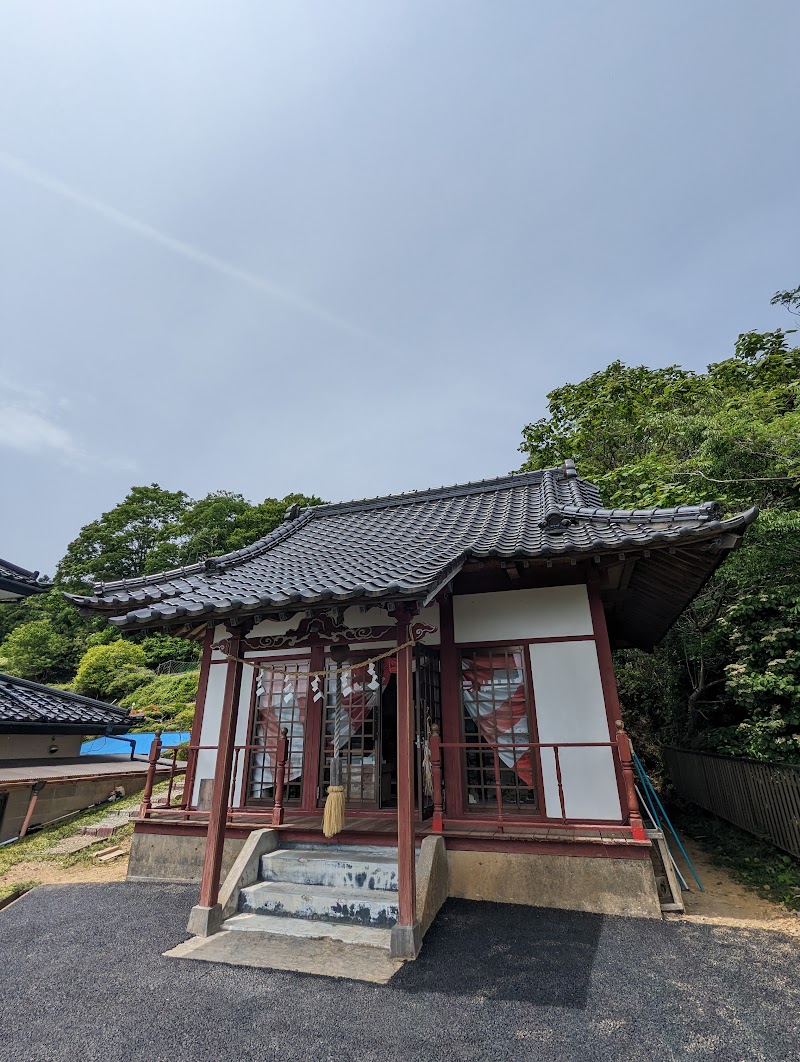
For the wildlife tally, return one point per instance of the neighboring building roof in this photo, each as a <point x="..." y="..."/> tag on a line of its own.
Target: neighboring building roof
<point x="68" y="769"/>
<point x="408" y="546"/>
<point x="16" y="582"/>
<point x="30" y="706"/>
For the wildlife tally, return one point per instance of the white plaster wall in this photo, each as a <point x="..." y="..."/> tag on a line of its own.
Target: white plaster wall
<point x="272" y="626"/>
<point x="242" y="736"/>
<point x="374" y="617"/>
<point x="570" y="707"/>
<point x="545" y="612"/>
<point x="209" y="730"/>
<point x="220" y="633"/>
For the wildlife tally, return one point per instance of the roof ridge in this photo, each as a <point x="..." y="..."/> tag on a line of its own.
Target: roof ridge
<point x="455" y="490"/>
<point x="209" y="564"/>
<point x="18" y="570"/>
<point x="312" y="512"/>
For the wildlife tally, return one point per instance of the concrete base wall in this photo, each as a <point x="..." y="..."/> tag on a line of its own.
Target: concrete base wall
<point x="57" y="800"/>
<point x="164" y="857"/>
<point x="574" y="883"/>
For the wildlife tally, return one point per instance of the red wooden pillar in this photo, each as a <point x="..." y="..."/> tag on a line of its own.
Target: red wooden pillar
<point x="624" y="769"/>
<point x="451" y="711"/>
<point x="206" y="917"/>
<point x="281" y="756"/>
<point x="155" y="753"/>
<point x="626" y="759"/>
<point x="406" y="934"/>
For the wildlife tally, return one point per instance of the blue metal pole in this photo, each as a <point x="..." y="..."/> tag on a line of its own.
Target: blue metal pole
<point x="648" y="785"/>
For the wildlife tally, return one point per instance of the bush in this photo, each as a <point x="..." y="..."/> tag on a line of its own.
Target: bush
<point x="167" y="702"/>
<point x="36" y="651"/>
<point x="158" y="648"/>
<point x="102" y="665"/>
<point x="128" y="679"/>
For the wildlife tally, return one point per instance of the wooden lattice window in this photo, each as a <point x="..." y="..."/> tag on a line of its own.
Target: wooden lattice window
<point x="351" y="729"/>
<point x="496" y="711"/>
<point x="281" y="702"/>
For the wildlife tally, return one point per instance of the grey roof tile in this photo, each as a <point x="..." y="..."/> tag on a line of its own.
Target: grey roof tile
<point x="20" y="581"/>
<point x="24" y="703"/>
<point x="402" y="546"/>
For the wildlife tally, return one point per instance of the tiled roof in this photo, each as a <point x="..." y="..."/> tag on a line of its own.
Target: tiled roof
<point x="19" y="580"/>
<point x="25" y="704"/>
<point x="403" y="547"/>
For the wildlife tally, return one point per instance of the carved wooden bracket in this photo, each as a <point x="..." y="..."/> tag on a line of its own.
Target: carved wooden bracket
<point x="323" y="630"/>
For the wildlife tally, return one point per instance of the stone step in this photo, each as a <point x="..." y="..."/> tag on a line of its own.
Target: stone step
<point x="352" y="870"/>
<point x="376" y="907"/>
<point x="304" y="928"/>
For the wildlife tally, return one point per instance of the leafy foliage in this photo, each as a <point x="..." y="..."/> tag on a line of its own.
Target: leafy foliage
<point x="101" y="664"/>
<point x="167" y="701"/>
<point x="159" y="648"/>
<point x="133" y="538"/>
<point x="726" y="675"/>
<point x="35" y="651"/>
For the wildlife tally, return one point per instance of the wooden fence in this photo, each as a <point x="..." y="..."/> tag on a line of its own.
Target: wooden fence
<point x="762" y="798"/>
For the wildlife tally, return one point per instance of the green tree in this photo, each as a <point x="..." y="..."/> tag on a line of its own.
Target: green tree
<point x="207" y="525"/>
<point x="160" y="648"/>
<point x="35" y="650"/>
<point x="666" y="437"/>
<point x="257" y="521"/>
<point x="139" y="535"/>
<point x="101" y="665"/>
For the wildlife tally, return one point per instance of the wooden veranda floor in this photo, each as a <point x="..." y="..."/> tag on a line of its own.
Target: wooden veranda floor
<point x="387" y="825"/>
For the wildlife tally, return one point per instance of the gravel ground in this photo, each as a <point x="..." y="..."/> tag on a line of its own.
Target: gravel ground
<point x="84" y="979"/>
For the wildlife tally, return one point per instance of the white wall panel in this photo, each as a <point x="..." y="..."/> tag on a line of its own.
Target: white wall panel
<point x="545" y="612"/>
<point x="212" y="715"/>
<point x="570" y="707"/>
<point x="209" y="730"/>
<point x="242" y="736"/>
<point x="274" y="626"/>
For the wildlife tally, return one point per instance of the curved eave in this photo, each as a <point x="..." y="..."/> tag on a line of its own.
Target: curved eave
<point x="665" y="582"/>
<point x="726" y="533"/>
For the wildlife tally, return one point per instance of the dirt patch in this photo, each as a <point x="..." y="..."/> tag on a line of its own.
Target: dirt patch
<point x="52" y="871"/>
<point x="725" y="900"/>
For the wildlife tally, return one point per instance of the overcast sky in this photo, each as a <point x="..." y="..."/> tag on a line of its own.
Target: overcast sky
<point x="346" y="248"/>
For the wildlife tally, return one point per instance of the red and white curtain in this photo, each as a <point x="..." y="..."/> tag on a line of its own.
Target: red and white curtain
<point x="493" y="689"/>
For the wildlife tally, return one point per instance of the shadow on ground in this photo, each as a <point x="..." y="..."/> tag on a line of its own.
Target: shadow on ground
<point x="531" y="955"/>
<point x="84" y="977"/>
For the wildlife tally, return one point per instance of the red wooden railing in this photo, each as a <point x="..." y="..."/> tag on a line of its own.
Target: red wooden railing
<point x="279" y="759"/>
<point x="620" y="752"/>
<point x="185" y="808"/>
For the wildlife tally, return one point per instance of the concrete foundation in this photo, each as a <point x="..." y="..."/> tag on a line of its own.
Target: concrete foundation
<point x="570" y="882"/>
<point x="167" y="857"/>
<point x="574" y="883"/>
<point x="432" y="881"/>
<point x="59" y="799"/>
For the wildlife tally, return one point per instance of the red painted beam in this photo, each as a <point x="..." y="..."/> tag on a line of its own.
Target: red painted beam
<point x="212" y="863"/>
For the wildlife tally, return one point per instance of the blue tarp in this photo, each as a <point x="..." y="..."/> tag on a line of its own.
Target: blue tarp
<point x="111" y="746"/>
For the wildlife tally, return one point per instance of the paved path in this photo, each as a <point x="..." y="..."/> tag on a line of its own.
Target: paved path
<point x="84" y="979"/>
